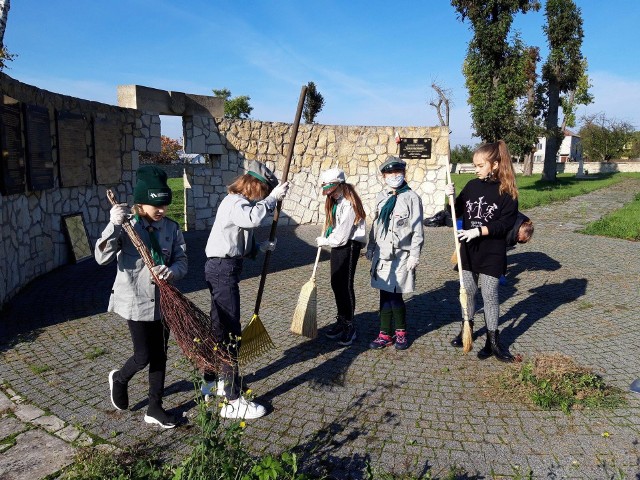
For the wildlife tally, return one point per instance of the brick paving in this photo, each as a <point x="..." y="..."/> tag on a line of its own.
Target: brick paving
<point x="422" y="410"/>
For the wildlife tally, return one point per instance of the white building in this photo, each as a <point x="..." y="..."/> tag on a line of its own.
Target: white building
<point x="570" y="149"/>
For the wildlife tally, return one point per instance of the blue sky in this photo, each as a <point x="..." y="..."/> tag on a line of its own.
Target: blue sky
<point x="372" y="61"/>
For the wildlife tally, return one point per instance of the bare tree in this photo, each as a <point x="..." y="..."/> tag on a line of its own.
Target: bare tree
<point x="5" y="56"/>
<point x="5" y="5"/>
<point x="442" y="106"/>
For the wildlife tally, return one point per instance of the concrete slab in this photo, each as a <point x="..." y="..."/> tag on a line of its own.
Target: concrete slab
<point x="28" y="413"/>
<point x="35" y="455"/>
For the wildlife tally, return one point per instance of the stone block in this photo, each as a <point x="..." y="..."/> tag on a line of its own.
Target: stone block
<point x="50" y="423"/>
<point x="27" y="413"/>
<point x="36" y="454"/>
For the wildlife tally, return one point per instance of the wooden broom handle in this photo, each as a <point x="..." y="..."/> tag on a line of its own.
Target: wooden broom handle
<point x="276" y="213"/>
<point x="315" y="265"/>
<point x="452" y="207"/>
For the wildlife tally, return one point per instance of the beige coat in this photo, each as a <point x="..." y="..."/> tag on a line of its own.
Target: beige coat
<point x="391" y="249"/>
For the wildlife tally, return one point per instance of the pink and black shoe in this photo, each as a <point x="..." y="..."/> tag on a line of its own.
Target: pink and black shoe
<point x="382" y="341"/>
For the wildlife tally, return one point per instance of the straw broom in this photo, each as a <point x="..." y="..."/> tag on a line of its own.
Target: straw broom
<point x="191" y="327"/>
<point x="467" y="334"/>
<point x="304" y="317"/>
<point x="255" y="339"/>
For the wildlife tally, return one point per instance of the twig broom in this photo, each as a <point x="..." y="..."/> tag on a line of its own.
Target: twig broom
<point x="191" y="327"/>
<point x="255" y="339"/>
<point x="467" y="334"/>
<point x="305" y="315"/>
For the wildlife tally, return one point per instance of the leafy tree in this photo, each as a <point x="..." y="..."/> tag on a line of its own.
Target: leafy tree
<point x="462" y="154"/>
<point x="605" y="138"/>
<point x="562" y="72"/>
<point x="313" y="103"/>
<point x="168" y="152"/>
<point x="494" y="68"/>
<point x="237" y="107"/>
<point x="526" y="128"/>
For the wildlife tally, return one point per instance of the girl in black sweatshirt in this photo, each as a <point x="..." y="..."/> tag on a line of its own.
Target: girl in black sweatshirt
<point x="488" y="206"/>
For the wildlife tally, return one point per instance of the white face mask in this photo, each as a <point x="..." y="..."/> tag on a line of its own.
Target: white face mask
<point x="394" y="181"/>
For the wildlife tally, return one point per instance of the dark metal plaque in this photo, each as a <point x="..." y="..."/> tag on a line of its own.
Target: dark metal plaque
<point x="77" y="237"/>
<point x="12" y="178"/>
<point x="415" y="148"/>
<point x="73" y="157"/>
<point x="107" y="134"/>
<point x="39" y="161"/>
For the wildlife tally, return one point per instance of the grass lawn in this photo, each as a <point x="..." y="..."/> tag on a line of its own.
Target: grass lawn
<point x="176" y="209"/>
<point x="623" y="223"/>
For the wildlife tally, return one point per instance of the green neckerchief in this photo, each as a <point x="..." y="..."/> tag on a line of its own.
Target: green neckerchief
<point x="333" y="220"/>
<point x="156" y="250"/>
<point x="390" y="204"/>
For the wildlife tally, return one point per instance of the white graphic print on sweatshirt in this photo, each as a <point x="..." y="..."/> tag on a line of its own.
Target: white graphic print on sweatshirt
<point x="480" y="212"/>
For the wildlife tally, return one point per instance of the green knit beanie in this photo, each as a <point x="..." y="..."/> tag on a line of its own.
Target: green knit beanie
<point x="151" y="187"/>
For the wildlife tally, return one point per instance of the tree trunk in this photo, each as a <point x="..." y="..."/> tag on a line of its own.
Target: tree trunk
<point x="5" y="5"/>
<point x="527" y="168"/>
<point x="552" y="146"/>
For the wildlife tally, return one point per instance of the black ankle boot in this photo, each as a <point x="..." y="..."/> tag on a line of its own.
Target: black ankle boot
<point x="457" y="340"/>
<point x="486" y="351"/>
<point x="501" y="353"/>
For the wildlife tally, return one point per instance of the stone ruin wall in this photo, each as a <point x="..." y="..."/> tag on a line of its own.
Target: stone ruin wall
<point x="32" y="237"/>
<point x="358" y="150"/>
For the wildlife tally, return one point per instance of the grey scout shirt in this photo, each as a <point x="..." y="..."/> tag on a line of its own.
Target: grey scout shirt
<point x="232" y="231"/>
<point x="134" y="296"/>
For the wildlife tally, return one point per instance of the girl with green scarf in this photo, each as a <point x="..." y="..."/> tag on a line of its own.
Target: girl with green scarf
<point x="395" y="243"/>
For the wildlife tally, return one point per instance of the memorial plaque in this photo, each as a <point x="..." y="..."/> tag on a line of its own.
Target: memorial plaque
<point x="107" y="136"/>
<point x="12" y="179"/>
<point x="415" y="148"/>
<point x="39" y="162"/>
<point x="77" y="237"/>
<point x="73" y="156"/>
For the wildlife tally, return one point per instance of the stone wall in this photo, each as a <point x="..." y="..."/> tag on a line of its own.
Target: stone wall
<point x="358" y="150"/>
<point x="32" y="236"/>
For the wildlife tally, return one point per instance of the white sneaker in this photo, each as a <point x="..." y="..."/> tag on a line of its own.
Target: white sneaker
<point x="207" y="389"/>
<point x="242" y="408"/>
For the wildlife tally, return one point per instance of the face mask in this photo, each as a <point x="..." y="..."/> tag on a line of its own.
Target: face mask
<point x="394" y="181"/>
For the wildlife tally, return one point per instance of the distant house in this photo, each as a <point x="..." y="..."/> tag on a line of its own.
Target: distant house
<point x="193" y="158"/>
<point x="570" y="149"/>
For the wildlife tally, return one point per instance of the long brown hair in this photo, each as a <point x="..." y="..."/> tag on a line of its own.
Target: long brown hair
<point x="498" y="152"/>
<point x="350" y="194"/>
<point x="250" y="187"/>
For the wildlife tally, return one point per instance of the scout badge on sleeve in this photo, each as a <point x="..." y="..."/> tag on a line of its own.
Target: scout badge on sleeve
<point x="255" y="339"/>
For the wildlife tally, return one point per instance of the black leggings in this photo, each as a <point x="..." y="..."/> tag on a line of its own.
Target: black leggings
<point x="343" y="268"/>
<point x="150" y="343"/>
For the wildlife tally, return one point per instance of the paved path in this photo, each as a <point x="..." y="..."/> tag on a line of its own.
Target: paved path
<point x="425" y="409"/>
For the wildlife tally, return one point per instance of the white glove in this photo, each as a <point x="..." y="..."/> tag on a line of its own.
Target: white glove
<point x="449" y="189"/>
<point x="468" y="235"/>
<point x="280" y="191"/>
<point x="268" y="246"/>
<point x="412" y="263"/>
<point x="322" y="241"/>
<point x="118" y="213"/>
<point x="369" y="255"/>
<point x="162" y="272"/>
